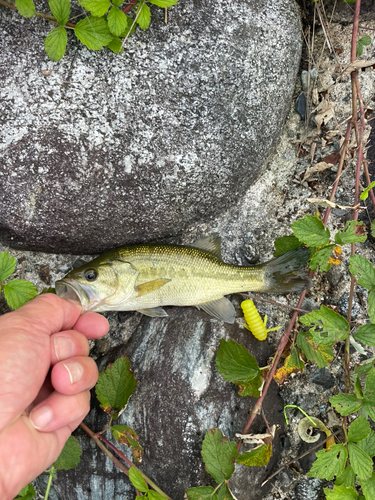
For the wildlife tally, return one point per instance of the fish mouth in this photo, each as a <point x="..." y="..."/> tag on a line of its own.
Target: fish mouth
<point x="71" y="290"/>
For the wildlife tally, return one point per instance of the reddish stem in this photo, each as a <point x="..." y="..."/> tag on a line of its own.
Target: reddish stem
<point x="130" y="6"/>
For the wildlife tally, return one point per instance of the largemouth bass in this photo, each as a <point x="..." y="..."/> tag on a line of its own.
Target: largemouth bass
<point x="146" y="277"/>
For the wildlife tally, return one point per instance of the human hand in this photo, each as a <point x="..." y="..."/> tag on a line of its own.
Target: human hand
<point x="47" y="332"/>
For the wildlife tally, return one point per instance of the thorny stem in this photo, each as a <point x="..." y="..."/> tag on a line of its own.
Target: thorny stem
<point x="39" y="14"/>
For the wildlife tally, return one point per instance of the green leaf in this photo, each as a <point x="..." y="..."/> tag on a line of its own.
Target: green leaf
<point x="60" y="9"/>
<point x="370" y="385"/>
<point x="225" y="493"/>
<point x="117" y="21"/>
<point x="373" y="228"/>
<point x="219" y="455"/>
<point x="371" y="305"/>
<point x="137" y="480"/>
<point x="358" y="48"/>
<point x="125" y="435"/>
<point x="360" y="461"/>
<point x="154" y="495"/>
<point x="201" y="493"/>
<point x="284" y="244"/>
<point x="347" y="478"/>
<point x="311" y="231"/>
<point x="321" y="258"/>
<point x="363" y="271"/>
<point x="26" y="8"/>
<point x="7" y="265"/>
<point x="369" y="407"/>
<point x="368" y="487"/>
<point x="252" y="388"/>
<point x="55" y="43"/>
<point x="366" y="40"/>
<point x="320" y="354"/>
<point x="365" y="192"/>
<point x="345" y="404"/>
<point x="364" y="368"/>
<point x="70" y="455"/>
<point x="96" y="7"/>
<point x="27" y="493"/>
<point x="93" y="32"/>
<point x="130" y="28"/>
<point x="329" y="463"/>
<point x="164" y="3"/>
<point x="18" y="292"/>
<point x="235" y="363"/>
<point x="358" y="388"/>
<point x="359" y="429"/>
<point x="340" y="493"/>
<point x="144" y="17"/>
<point x="116" y="45"/>
<point x="117" y="3"/>
<point x="366" y="334"/>
<point x="258" y="457"/>
<point x="351" y="233"/>
<point x="333" y="326"/>
<point x="115" y="386"/>
<point x="368" y="444"/>
<point x="293" y="364"/>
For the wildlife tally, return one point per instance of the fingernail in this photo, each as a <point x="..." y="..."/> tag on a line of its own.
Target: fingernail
<point x="41" y="416"/>
<point x="64" y="347"/>
<point x="75" y="371"/>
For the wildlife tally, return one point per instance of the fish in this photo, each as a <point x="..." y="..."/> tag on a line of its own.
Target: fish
<point x="146" y="277"/>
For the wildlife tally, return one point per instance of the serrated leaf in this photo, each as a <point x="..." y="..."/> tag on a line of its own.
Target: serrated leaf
<point x="70" y="455"/>
<point x="225" y="493"/>
<point x="125" y="435"/>
<point x="321" y="258"/>
<point x="93" y="32"/>
<point x="26" y="8"/>
<point x="137" y="480"/>
<point x="369" y="392"/>
<point x="7" y="265"/>
<point x="365" y="192"/>
<point x="329" y="463"/>
<point x="368" y="444"/>
<point x="60" y="9"/>
<point x="235" y="363"/>
<point x="154" y="495"/>
<point x="368" y="487"/>
<point x="27" y="493"/>
<point x="358" y="389"/>
<point x="97" y="7"/>
<point x="320" y="354"/>
<point x="366" y="40"/>
<point x="363" y="271"/>
<point x="252" y="388"/>
<point x="364" y="367"/>
<point x="144" y="16"/>
<point x="359" y="429"/>
<point x="117" y="3"/>
<point x="201" y="493"/>
<point x="219" y="455"/>
<point x="358" y="48"/>
<point x="366" y="334"/>
<point x="347" y="478"/>
<point x="328" y="326"/>
<point x="115" y="386"/>
<point x="284" y="244"/>
<point x="293" y="364"/>
<point x="340" y="493"/>
<point x="55" y="43"/>
<point x="359" y="460"/>
<point x="369" y="408"/>
<point x="353" y="232"/>
<point x="18" y="292"/>
<point x="371" y="305"/>
<point x="345" y="404"/>
<point x="164" y="3"/>
<point x="116" y="45"/>
<point x="117" y="21"/>
<point x="311" y="231"/>
<point x="258" y="457"/>
<point x="130" y="28"/>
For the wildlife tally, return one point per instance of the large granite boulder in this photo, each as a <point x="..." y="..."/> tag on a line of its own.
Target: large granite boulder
<point x="112" y="150"/>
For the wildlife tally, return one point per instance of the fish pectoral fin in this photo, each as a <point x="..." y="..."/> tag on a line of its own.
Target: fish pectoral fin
<point x="154" y="312"/>
<point x="211" y="244"/>
<point x="150" y="286"/>
<point x="221" y="309"/>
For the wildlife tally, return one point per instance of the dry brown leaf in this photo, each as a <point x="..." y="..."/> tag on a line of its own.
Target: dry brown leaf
<point x="358" y="64"/>
<point x="324" y="112"/>
<point x="259" y="438"/>
<point x="319" y="167"/>
<point x="333" y="158"/>
<point x="326" y="203"/>
<point x="312" y="152"/>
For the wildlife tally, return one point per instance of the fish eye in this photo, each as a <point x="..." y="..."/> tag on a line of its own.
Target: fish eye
<point x="91" y="275"/>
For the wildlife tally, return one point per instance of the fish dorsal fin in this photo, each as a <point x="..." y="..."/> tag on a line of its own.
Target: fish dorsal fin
<point x="150" y="286"/>
<point x="221" y="309"/>
<point x="154" y="312"/>
<point x="211" y="244"/>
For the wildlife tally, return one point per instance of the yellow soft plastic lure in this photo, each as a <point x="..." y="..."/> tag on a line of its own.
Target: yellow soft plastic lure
<point x="254" y="322"/>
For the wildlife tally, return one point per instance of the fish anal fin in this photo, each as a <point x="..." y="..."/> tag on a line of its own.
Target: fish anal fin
<point x="211" y="244"/>
<point x="154" y="312"/>
<point x="150" y="286"/>
<point x="221" y="309"/>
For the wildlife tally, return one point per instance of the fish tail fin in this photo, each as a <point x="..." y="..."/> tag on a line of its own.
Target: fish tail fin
<point x="286" y="273"/>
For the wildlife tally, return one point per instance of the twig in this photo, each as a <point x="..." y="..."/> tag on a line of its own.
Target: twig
<point x="254" y="297"/>
<point x="316" y="446"/>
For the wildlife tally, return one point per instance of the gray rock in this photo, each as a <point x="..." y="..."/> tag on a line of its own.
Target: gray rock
<point x="323" y="378"/>
<point x="309" y="490"/>
<point x="112" y="150"/>
<point x="343" y="305"/>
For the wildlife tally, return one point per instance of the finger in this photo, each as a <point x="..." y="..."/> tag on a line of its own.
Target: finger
<point x="60" y="410"/>
<point x="25" y="350"/>
<point x="65" y="345"/>
<point x="74" y="375"/>
<point x="92" y="325"/>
